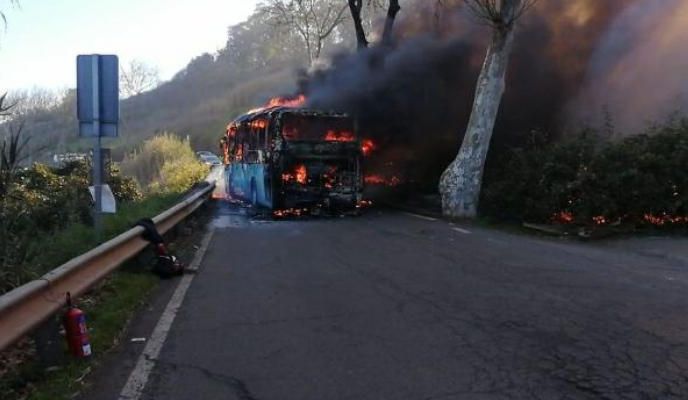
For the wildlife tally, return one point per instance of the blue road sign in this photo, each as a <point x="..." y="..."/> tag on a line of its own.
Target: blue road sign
<point x="97" y="95"/>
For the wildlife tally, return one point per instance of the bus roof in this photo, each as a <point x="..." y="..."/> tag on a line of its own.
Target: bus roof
<point x="268" y="112"/>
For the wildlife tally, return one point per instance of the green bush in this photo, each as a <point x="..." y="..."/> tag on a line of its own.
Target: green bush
<point x="165" y="163"/>
<point x="587" y="180"/>
<point x="39" y="202"/>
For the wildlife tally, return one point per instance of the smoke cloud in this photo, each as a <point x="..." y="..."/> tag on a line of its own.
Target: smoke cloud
<point x="638" y="70"/>
<point x="574" y="63"/>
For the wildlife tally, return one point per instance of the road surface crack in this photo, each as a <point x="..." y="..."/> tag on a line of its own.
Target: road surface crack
<point x="237" y="385"/>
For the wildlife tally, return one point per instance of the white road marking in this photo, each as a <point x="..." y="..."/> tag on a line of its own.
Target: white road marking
<point x="461" y="230"/>
<point x="138" y="378"/>
<point x="421" y="216"/>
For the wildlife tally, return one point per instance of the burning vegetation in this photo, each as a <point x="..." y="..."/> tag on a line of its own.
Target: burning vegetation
<point x="588" y="181"/>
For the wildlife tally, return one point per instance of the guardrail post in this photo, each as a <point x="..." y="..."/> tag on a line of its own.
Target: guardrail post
<point x="49" y="343"/>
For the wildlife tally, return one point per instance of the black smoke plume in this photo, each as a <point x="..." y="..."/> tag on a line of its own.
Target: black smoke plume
<point x="414" y="99"/>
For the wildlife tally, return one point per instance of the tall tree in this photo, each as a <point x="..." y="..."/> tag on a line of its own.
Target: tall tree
<point x="392" y="12"/>
<point x="461" y="182"/>
<point x="356" y="6"/>
<point x="314" y="20"/>
<point x="360" y="23"/>
<point x="138" y="77"/>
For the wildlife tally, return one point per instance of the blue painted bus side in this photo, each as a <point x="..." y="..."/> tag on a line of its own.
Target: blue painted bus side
<point x="242" y="179"/>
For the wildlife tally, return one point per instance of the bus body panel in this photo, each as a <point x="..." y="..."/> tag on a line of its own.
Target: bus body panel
<point x="240" y="178"/>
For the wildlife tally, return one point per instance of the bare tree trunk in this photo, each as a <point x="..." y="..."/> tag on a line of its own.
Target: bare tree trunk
<point x="461" y="181"/>
<point x="392" y="12"/>
<point x="356" y="6"/>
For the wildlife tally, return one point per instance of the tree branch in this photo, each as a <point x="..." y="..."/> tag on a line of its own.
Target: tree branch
<point x="500" y="14"/>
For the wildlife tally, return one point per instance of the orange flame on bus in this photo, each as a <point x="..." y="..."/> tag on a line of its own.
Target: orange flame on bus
<point x="300" y="175"/>
<point x="344" y="136"/>
<point x="367" y="146"/>
<point x="291" y="102"/>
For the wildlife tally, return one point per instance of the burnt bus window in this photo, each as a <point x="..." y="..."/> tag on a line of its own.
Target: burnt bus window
<point x="262" y="142"/>
<point x="246" y="139"/>
<point x="231" y="143"/>
<point x="253" y="138"/>
<point x="258" y="134"/>
<point x="242" y="146"/>
<point x="311" y="128"/>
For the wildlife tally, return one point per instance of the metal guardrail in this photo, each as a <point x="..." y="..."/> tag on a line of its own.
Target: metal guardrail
<point x="24" y="308"/>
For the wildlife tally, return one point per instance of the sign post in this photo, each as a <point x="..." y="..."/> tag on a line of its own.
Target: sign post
<point x="98" y="114"/>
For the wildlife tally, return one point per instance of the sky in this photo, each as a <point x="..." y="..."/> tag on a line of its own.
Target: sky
<point x="39" y="45"/>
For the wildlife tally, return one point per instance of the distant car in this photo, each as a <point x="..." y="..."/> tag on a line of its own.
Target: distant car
<point x="204" y="153"/>
<point x="208" y="158"/>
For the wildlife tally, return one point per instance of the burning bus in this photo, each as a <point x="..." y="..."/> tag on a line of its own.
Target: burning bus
<point x="283" y="157"/>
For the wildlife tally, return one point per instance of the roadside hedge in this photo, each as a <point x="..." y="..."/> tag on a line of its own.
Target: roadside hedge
<point x="40" y="201"/>
<point x="589" y="180"/>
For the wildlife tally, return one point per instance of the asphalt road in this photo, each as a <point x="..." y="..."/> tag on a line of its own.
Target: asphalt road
<point x="394" y="306"/>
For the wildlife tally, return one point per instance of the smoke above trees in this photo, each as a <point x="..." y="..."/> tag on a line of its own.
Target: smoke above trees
<point x="575" y="63"/>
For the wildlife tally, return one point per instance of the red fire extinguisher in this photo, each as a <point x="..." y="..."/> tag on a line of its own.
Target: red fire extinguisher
<point x="75" y="330"/>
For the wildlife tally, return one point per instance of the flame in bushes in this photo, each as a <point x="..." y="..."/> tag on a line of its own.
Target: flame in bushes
<point x="665" y="219"/>
<point x="563" y="217"/>
<point x="566" y="218"/>
<point x="600" y="220"/>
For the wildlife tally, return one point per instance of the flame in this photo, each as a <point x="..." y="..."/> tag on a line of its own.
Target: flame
<point x="563" y="217"/>
<point x="297" y="101"/>
<point x="259" y="124"/>
<point x="367" y="146"/>
<point x="566" y="217"/>
<point x="290" y="212"/>
<point x="300" y="175"/>
<point x="291" y="102"/>
<point x="664" y="219"/>
<point x="364" y="204"/>
<point x="600" y="220"/>
<point x="344" y="136"/>
<point x="330" y="177"/>
<point x="382" y="181"/>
